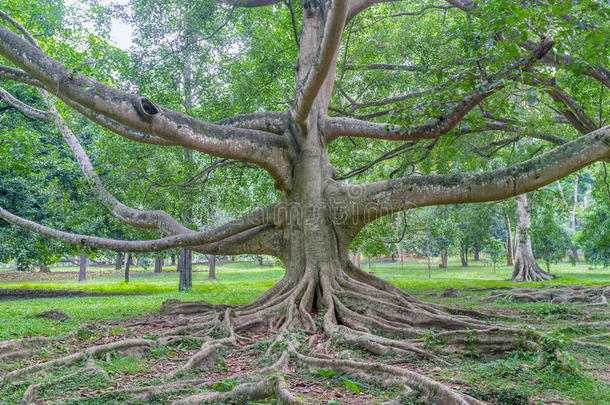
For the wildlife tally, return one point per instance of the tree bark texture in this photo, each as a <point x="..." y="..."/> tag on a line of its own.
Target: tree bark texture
<point x="212" y="267"/>
<point x="158" y="264"/>
<point x="82" y="273"/>
<point x="510" y="259"/>
<point x="185" y="267"/>
<point x="127" y="266"/>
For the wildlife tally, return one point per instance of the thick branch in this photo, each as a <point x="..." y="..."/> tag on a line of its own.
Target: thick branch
<point x="335" y="127"/>
<point x="574" y="113"/>
<point x="356" y="6"/>
<point x="211" y="241"/>
<point x="322" y="64"/>
<point x="560" y="59"/>
<point x="23" y="107"/>
<point x="145" y="219"/>
<point x="17" y="75"/>
<point x="266" y="150"/>
<point x="382" y="198"/>
<point x="270" y="121"/>
<point x="249" y="3"/>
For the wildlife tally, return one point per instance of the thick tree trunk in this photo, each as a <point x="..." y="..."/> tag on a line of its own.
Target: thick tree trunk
<point x="526" y="266"/>
<point x="510" y="258"/>
<point x="477" y="257"/>
<point x="444" y="259"/>
<point x="82" y="273"/>
<point x="212" y="267"/>
<point x="185" y="267"/>
<point x="158" y="264"/>
<point x="45" y="268"/>
<point x="127" y="266"/>
<point x="260" y="260"/>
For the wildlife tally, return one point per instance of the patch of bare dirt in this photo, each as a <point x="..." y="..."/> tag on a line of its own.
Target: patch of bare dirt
<point x="26" y="293"/>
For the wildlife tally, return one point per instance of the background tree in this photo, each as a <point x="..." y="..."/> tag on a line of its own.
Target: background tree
<point x="595" y="234"/>
<point x="549" y="233"/>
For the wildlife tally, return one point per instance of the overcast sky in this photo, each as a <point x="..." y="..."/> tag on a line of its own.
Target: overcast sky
<point x="120" y="33"/>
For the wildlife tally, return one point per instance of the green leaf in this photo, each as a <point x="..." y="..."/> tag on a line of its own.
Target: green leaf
<point x="326" y="373"/>
<point x="352" y="386"/>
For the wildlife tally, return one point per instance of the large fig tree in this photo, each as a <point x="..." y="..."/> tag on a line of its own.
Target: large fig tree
<point x="504" y="54"/>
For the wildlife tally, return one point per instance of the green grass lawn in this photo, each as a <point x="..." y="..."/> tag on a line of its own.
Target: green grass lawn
<point x="236" y="283"/>
<point x="512" y="377"/>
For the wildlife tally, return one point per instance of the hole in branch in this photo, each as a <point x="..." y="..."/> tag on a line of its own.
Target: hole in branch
<point x="146" y="108"/>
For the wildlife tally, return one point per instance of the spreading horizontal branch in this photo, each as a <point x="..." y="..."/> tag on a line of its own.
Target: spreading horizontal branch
<point x="141" y="114"/>
<point x="382" y="198"/>
<point x="357" y="6"/>
<point x="157" y="219"/>
<point x="336" y="127"/>
<point x="269" y="121"/>
<point x="249" y="3"/>
<point x="200" y="240"/>
<point x="17" y="75"/>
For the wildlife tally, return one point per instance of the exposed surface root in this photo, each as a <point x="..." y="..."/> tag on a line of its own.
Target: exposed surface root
<point x="429" y="390"/>
<point x="18" y="349"/>
<point x="175" y="307"/>
<point x="122" y="345"/>
<point x="30" y="395"/>
<point x="311" y="324"/>
<point x="596" y="294"/>
<point x="527" y="269"/>
<point x="146" y="393"/>
<point x="271" y="386"/>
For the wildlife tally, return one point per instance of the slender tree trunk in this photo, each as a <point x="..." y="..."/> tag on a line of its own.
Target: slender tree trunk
<point x="510" y="258"/>
<point x="401" y="254"/>
<point x="185" y="266"/>
<point x="444" y="259"/>
<point x="158" y="264"/>
<point x="212" y="267"/>
<point x="260" y="260"/>
<point x="573" y="218"/>
<point x="173" y="260"/>
<point x="526" y="266"/>
<point x="82" y="273"/>
<point x="464" y="256"/>
<point x="119" y="261"/>
<point x="428" y="259"/>
<point x="127" y="266"/>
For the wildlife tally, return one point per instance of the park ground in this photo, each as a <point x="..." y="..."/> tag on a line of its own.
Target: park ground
<point x="581" y="377"/>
